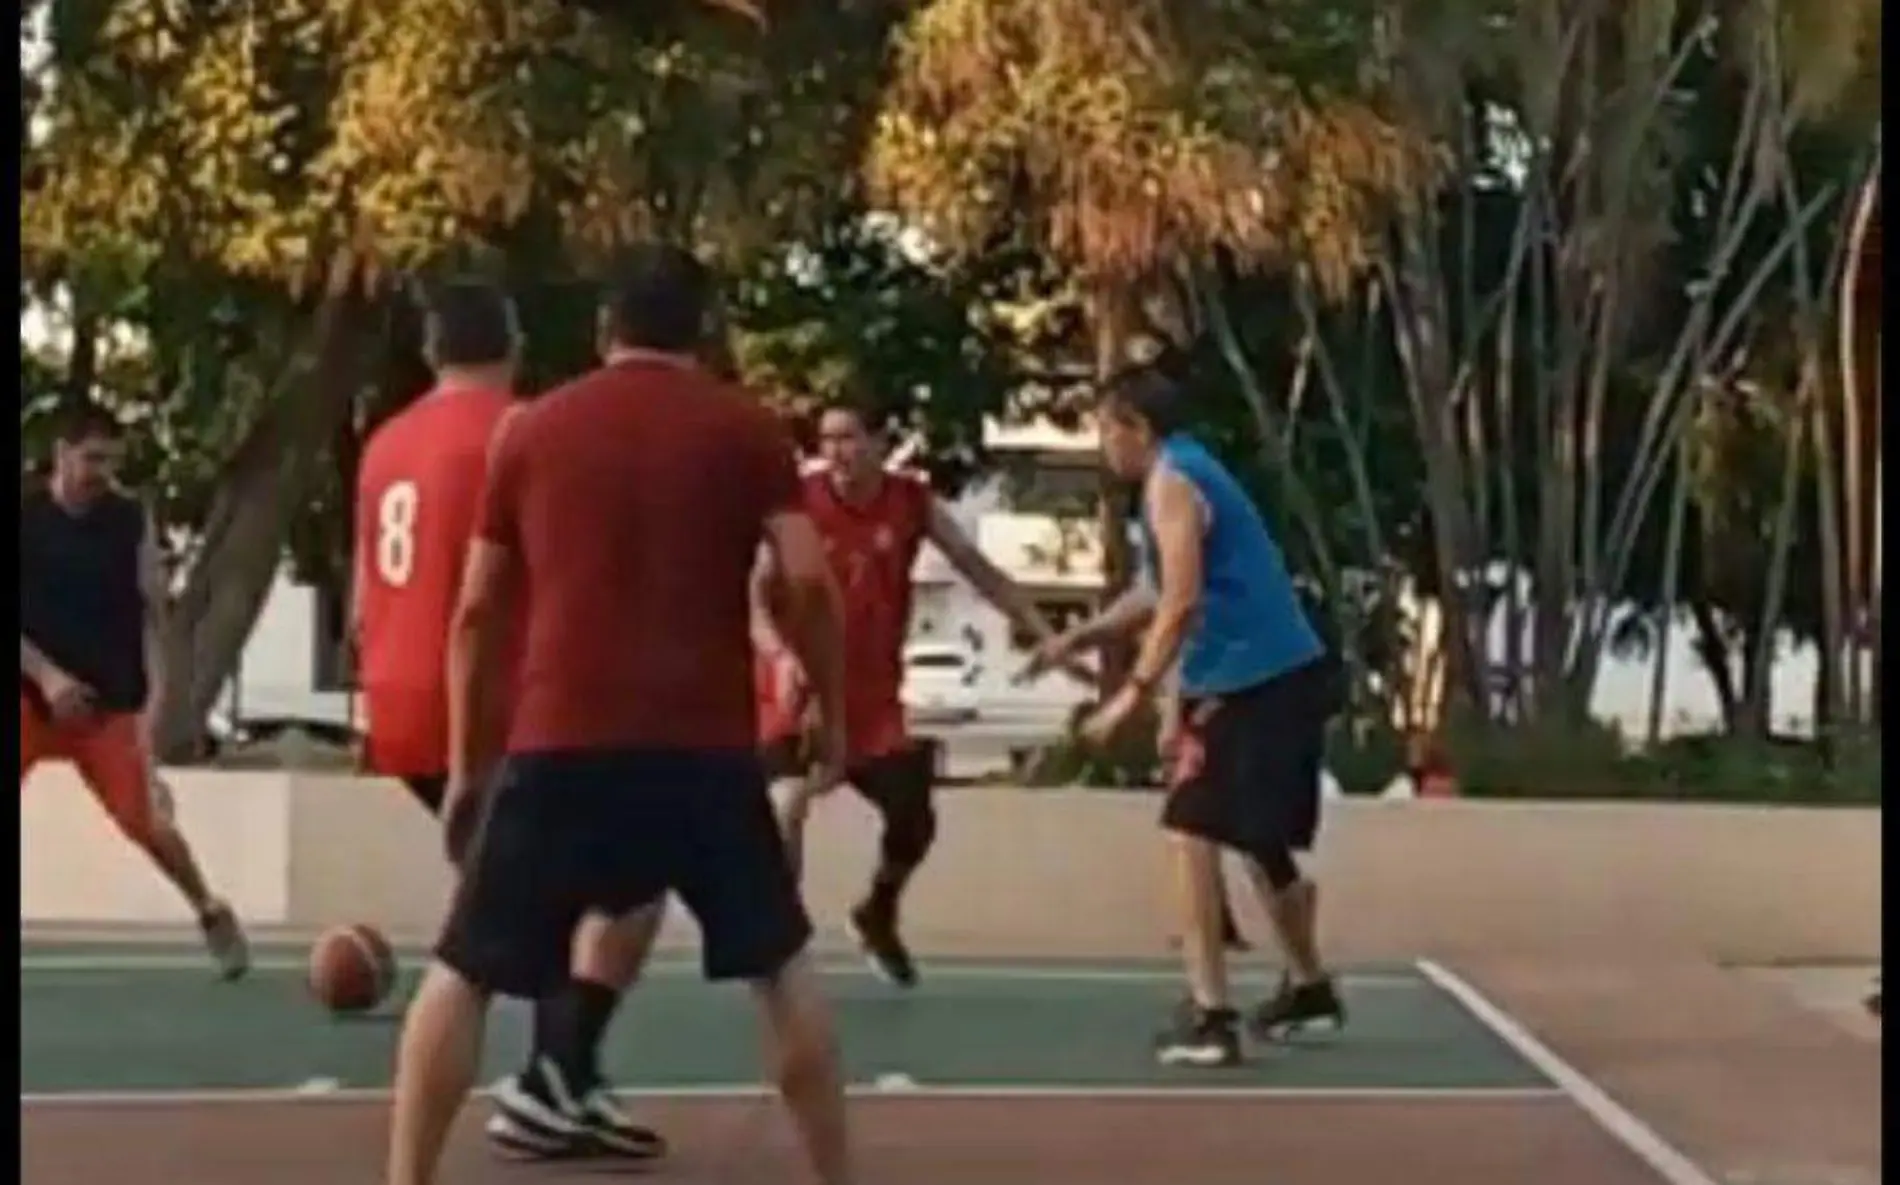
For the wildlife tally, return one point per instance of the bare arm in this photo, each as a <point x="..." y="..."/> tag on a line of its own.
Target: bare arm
<point x="766" y="594"/>
<point x="485" y="605"/>
<point x="1124" y="615"/>
<point x="482" y="611"/>
<point x="1175" y="511"/>
<point x="33" y="663"/>
<point x="812" y="621"/>
<point x="155" y="591"/>
<point x="990" y="582"/>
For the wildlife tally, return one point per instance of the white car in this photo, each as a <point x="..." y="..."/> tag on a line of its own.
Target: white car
<point x="940" y="682"/>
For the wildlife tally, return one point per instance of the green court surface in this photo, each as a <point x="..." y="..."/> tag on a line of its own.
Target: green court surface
<point x="107" y="1021"/>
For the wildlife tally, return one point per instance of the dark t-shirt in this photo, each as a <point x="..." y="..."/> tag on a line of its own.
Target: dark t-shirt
<point x="635" y="499"/>
<point x="80" y="599"/>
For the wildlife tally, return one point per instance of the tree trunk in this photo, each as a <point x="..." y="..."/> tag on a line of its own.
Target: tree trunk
<point x="243" y="546"/>
<point x="82" y="364"/>
<point x="1712" y="648"/>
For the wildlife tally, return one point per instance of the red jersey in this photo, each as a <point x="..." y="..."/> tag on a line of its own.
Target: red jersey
<point x="634" y="498"/>
<point x="418" y="493"/>
<point x="873" y="546"/>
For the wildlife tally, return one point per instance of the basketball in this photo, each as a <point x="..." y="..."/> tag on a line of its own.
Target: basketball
<point x="352" y="969"/>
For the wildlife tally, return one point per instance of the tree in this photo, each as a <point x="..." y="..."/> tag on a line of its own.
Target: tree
<point x="287" y="166"/>
<point x="1131" y="142"/>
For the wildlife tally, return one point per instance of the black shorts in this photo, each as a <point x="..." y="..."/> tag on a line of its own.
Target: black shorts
<point x="565" y="834"/>
<point x="1264" y="754"/>
<point x="427" y="789"/>
<point x="889" y="781"/>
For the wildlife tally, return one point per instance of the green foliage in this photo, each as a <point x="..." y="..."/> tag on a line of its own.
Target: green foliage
<point x="1130" y="760"/>
<point x="1365" y="758"/>
<point x="860" y="317"/>
<point x="1588" y="761"/>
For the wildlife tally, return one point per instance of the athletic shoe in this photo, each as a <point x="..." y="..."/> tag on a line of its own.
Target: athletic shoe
<point x="875" y="929"/>
<point x="538" y="1118"/>
<point x="1196" y="1036"/>
<point x="224" y="938"/>
<point x="1293" y="1009"/>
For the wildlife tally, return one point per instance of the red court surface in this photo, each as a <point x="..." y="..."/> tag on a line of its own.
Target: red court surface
<point x="902" y="1142"/>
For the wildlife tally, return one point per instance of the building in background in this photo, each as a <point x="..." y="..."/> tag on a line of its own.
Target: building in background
<point x="1034" y="517"/>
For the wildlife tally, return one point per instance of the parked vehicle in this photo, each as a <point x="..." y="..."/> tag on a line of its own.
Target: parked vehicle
<point x="940" y="682"/>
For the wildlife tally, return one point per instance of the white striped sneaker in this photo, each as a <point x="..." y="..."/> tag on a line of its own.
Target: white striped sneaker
<point x="537" y="1117"/>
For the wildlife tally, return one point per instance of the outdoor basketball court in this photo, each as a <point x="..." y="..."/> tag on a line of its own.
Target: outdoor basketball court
<point x="134" y="1063"/>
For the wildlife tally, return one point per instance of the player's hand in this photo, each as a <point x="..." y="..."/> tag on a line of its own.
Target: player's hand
<point x="1056" y="650"/>
<point x="827" y="753"/>
<point x="461" y="813"/>
<point x="1169" y="733"/>
<point x="1104" y="722"/>
<point x="67" y="699"/>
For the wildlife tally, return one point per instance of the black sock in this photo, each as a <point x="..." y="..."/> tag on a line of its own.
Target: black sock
<point x="887" y="885"/>
<point x="568" y="1027"/>
<point x="594" y="1007"/>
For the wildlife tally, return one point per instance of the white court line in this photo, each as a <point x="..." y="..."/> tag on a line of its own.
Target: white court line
<point x="993" y="972"/>
<point x="1618" y="1121"/>
<point x="1054" y="1092"/>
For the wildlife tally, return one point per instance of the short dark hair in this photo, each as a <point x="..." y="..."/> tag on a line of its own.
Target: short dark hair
<point x="874" y="422"/>
<point x="1153" y="392"/>
<point x="83" y="421"/>
<point x="660" y="297"/>
<point x="469" y="322"/>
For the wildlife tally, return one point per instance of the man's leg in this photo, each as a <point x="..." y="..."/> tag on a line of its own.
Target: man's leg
<point x="902" y="788"/>
<point x="535" y="1110"/>
<point x="804" y="1063"/>
<point x="508" y="932"/>
<point x="1200" y="817"/>
<point x="739" y="885"/>
<point x="436" y="1062"/>
<point x="1285" y="766"/>
<point x="110" y="756"/>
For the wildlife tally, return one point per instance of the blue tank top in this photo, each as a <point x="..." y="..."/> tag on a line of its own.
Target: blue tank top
<point x="1250" y="626"/>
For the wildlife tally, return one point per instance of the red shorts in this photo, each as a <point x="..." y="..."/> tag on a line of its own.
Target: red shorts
<point x="408" y="731"/>
<point x="109" y="753"/>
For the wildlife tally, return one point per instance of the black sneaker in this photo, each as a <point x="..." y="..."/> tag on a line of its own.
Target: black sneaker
<point x="1293" y="1010"/>
<point x="538" y="1118"/>
<point x="875" y="928"/>
<point x="1195" y="1036"/>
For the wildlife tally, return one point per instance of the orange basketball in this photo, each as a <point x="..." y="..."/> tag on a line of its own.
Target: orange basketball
<point x="352" y="968"/>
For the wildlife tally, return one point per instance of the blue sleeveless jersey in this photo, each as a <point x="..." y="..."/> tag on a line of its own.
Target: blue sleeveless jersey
<point x="1250" y="626"/>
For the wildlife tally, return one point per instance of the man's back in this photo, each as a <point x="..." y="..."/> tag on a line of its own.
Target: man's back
<point x="418" y="494"/>
<point x="635" y="498"/>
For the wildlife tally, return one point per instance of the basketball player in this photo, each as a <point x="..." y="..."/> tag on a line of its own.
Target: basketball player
<point x="873" y="522"/>
<point x="623" y="512"/>
<point x="1257" y="688"/>
<point x="418" y="491"/>
<point x="92" y="599"/>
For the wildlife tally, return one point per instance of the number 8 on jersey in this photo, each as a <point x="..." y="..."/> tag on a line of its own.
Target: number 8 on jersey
<point x="396" y="533"/>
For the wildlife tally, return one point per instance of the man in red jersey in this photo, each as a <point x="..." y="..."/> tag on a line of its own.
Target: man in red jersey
<point x="625" y="510"/>
<point x="873" y="523"/>
<point x="418" y="494"/>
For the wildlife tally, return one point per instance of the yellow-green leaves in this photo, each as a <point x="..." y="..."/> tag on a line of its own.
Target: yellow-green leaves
<point x="1131" y="136"/>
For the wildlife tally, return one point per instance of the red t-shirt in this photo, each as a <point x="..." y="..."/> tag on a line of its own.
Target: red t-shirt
<point x="418" y="492"/>
<point x="634" y="500"/>
<point x="873" y="546"/>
